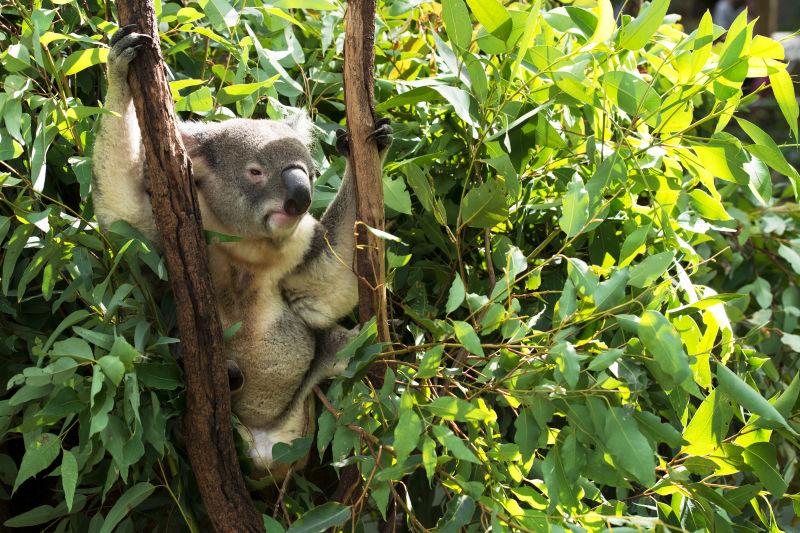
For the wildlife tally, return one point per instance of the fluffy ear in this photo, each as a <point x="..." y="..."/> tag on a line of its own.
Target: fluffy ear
<point x="200" y="149"/>
<point x="302" y="125"/>
<point x="196" y="138"/>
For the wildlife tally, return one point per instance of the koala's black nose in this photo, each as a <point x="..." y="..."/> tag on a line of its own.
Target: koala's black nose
<point x="298" y="191"/>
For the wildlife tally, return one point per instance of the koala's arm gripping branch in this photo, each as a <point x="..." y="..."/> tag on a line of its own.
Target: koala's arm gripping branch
<point x="209" y="438"/>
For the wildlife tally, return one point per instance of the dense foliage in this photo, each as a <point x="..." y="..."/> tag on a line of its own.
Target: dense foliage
<point x="593" y="261"/>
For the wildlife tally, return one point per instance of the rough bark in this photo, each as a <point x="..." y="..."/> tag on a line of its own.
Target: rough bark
<point x="207" y="422"/>
<point x="359" y="61"/>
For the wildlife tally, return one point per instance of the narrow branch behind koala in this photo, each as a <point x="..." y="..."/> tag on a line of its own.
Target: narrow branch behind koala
<point x="207" y="421"/>
<point x="359" y="61"/>
<point x="359" y="44"/>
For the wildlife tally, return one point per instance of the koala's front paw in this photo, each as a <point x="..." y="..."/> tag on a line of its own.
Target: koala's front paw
<point x="382" y="135"/>
<point x="342" y="142"/>
<point x="125" y="44"/>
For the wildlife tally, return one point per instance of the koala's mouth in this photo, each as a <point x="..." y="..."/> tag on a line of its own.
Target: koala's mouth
<point x="281" y="221"/>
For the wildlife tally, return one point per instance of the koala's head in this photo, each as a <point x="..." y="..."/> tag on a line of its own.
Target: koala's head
<point x="254" y="176"/>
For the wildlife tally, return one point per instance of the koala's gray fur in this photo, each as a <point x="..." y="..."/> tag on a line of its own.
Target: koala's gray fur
<point x="287" y="283"/>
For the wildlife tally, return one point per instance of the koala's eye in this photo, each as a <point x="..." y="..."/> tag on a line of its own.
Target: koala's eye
<point x="255" y="172"/>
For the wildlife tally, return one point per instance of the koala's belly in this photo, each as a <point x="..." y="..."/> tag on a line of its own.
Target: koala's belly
<point x="274" y="355"/>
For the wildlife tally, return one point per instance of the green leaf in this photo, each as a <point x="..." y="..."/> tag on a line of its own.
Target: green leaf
<point x="288" y="453"/>
<point x="75" y="348"/>
<point x="199" y="101"/>
<point x="320" y="5"/>
<point x="560" y="476"/>
<point x="429" y="366"/>
<point x="271" y="525"/>
<point x="69" y="476"/>
<point x="660" y="338"/>
<point x="34" y="517"/>
<point x="82" y="59"/>
<point x="221" y="14"/>
<point x="527" y="432"/>
<point x="783" y="89"/>
<point x="125" y="504"/>
<point x="396" y="195"/>
<point x="493" y="16"/>
<point x="650" y="269"/>
<point x="651" y="424"/>
<point x="567" y="361"/>
<point x="429" y="456"/>
<point x="724" y="159"/>
<point x="112" y="367"/>
<point x="14" y="248"/>
<point x="792" y="257"/>
<point x="709" y="425"/>
<point x="456" y="295"/>
<point x="467" y="336"/>
<point x="605" y="359"/>
<point x="761" y="457"/>
<point x="484" y="206"/>
<point x="461" y="101"/>
<point x="631" y="93"/>
<point x="407" y="433"/>
<point x="611" y="292"/>
<point x="421" y="185"/>
<point x="449" y="440"/>
<point x="457" y="22"/>
<point x="633" y="245"/>
<point x="767" y="150"/>
<point x="629" y="448"/>
<point x="320" y="518"/>
<point x="450" y="408"/>
<point x="126" y="353"/>
<point x="240" y="91"/>
<point x="707" y="206"/>
<point x="638" y="32"/>
<point x="743" y="394"/>
<point x="39" y="455"/>
<point x="788" y="398"/>
<point x="575" y="208"/>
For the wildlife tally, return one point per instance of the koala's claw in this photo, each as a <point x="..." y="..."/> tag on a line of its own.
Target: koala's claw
<point x="343" y="142"/>
<point x="382" y="135"/>
<point x="120" y="33"/>
<point x="124" y="49"/>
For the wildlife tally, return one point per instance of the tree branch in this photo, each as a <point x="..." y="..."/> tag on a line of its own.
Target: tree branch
<point x="207" y="422"/>
<point x="359" y="43"/>
<point x="359" y="61"/>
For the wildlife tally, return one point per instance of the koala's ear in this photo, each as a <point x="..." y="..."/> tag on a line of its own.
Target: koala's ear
<point x="302" y="125"/>
<point x="197" y="141"/>
<point x="191" y="135"/>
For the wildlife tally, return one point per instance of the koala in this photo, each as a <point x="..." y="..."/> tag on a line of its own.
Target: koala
<point x="288" y="279"/>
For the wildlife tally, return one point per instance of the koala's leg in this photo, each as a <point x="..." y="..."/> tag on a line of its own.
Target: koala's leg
<point x="324" y="288"/>
<point x="118" y="159"/>
<point x="299" y="422"/>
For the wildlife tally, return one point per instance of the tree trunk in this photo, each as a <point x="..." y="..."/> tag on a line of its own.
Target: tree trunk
<point x="207" y="422"/>
<point x="359" y="61"/>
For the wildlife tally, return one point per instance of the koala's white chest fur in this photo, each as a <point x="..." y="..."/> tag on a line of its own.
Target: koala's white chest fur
<point x="274" y="347"/>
